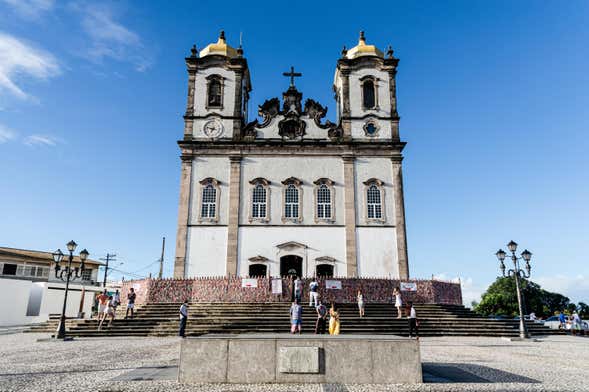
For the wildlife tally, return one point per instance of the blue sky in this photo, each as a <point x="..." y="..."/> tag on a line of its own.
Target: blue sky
<point x="492" y="97"/>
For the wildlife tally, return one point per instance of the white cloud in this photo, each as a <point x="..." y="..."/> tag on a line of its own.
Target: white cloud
<point x="109" y="38"/>
<point x="40" y="140"/>
<point x="19" y="59"/>
<point x="6" y="134"/>
<point x="30" y="9"/>
<point x="574" y="287"/>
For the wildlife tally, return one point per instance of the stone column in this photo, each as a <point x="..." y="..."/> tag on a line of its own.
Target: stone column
<point x="183" y="216"/>
<point x="233" y="221"/>
<point x="394" y="113"/>
<point x="350" y="215"/>
<point x="188" y="121"/>
<point x="237" y="102"/>
<point x="346" y="112"/>
<point x="402" y="259"/>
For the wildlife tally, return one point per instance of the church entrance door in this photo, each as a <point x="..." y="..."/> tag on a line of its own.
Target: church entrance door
<point x="291" y="265"/>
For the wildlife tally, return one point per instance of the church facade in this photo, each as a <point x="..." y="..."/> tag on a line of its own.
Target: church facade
<point x="290" y="192"/>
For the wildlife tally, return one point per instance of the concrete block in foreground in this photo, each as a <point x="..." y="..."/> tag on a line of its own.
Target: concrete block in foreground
<point x="283" y="358"/>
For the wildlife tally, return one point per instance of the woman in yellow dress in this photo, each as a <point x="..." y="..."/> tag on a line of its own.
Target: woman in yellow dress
<point x="333" y="320"/>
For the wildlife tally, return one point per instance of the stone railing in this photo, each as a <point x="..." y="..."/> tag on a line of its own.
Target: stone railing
<point x="230" y="290"/>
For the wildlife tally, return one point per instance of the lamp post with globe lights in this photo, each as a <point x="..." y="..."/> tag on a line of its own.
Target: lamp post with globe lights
<point x="517" y="273"/>
<point x="66" y="274"/>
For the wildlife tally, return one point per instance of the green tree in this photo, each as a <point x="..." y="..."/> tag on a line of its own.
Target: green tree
<point x="583" y="309"/>
<point x="501" y="299"/>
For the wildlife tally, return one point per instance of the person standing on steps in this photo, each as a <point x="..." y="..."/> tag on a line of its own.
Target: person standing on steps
<point x="102" y="306"/>
<point x="130" y="302"/>
<point x="413" y="323"/>
<point x="298" y="289"/>
<point x="334" y="325"/>
<point x="296" y="317"/>
<point x="320" y="325"/>
<point x="314" y="293"/>
<point x="360" y="300"/>
<point x="183" y="319"/>
<point x="398" y="302"/>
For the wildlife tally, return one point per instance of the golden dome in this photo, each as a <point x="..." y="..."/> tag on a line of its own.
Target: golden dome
<point x="363" y="50"/>
<point x="219" y="48"/>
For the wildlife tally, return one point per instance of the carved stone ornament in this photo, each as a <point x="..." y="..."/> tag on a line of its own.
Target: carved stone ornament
<point x="291" y="127"/>
<point x="268" y="110"/>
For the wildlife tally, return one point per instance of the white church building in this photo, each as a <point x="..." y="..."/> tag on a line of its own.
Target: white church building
<point x="291" y="193"/>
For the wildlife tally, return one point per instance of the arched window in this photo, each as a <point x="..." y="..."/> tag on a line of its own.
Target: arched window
<point x="368" y="94"/>
<point x="257" y="270"/>
<point x="215" y="92"/>
<point x="209" y="199"/>
<point x="259" y="202"/>
<point x="374" y="200"/>
<point x="292" y="200"/>
<point x="324" y="200"/>
<point x="259" y="198"/>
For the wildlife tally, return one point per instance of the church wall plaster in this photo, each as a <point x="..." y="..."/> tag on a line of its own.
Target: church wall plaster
<point x="379" y="168"/>
<point x="217" y="168"/>
<point x="376" y="251"/>
<point x="206" y="251"/>
<point x="277" y="169"/>
<point x="200" y="92"/>
<point x="319" y="241"/>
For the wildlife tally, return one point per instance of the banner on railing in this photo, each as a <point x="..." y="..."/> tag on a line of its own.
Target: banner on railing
<point x="408" y="286"/>
<point x="333" y="284"/>
<point x="251" y="283"/>
<point x="277" y="286"/>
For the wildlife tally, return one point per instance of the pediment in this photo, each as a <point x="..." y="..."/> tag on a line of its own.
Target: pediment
<point x="291" y="244"/>
<point x="258" y="259"/>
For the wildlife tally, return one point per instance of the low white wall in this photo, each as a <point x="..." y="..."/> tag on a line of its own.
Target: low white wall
<point x="15" y="298"/>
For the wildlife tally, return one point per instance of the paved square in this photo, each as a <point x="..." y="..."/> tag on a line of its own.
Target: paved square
<point x="557" y="363"/>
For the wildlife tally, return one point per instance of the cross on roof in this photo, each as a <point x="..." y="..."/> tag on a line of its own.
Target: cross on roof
<point x="292" y="75"/>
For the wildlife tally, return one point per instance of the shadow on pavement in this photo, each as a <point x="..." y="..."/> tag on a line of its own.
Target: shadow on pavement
<point x="467" y="373"/>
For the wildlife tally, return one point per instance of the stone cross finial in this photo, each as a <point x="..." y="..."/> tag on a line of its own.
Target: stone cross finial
<point x="292" y="75"/>
<point x="222" y="35"/>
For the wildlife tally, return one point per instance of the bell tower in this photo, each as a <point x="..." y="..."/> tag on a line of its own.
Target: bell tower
<point x="365" y="90"/>
<point x="218" y="92"/>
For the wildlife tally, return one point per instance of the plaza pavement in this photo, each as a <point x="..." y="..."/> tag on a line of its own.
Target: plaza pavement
<point x="557" y="363"/>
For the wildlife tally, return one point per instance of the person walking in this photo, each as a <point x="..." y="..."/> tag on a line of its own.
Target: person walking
<point x="117" y="298"/>
<point x="334" y="322"/>
<point x="576" y="323"/>
<point x="109" y="311"/>
<point x="321" y="323"/>
<point x="398" y="302"/>
<point x="296" y="317"/>
<point x="298" y="289"/>
<point x="102" y="305"/>
<point x="562" y="320"/>
<point x="413" y="323"/>
<point x="360" y="300"/>
<point x="130" y="302"/>
<point x="183" y="319"/>
<point x="314" y="293"/>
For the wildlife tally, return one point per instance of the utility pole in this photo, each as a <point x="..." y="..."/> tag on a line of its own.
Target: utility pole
<point x="109" y="257"/>
<point x="162" y="258"/>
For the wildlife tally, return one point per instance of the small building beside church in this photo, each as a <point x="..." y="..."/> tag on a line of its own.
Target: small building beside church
<point x="291" y="193"/>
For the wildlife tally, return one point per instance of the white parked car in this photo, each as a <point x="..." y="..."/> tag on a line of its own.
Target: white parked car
<point x="553" y="322"/>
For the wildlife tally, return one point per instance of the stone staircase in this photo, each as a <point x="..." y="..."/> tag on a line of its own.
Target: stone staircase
<point x="161" y="319"/>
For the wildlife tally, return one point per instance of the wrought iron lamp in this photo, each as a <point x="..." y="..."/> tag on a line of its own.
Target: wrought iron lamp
<point x="517" y="273"/>
<point x="66" y="274"/>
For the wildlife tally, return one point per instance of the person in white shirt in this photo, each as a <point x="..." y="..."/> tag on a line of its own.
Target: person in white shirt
<point x="298" y="289"/>
<point x="183" y="319"/>
<point x="314" y="293"/>
<point x="413" y="324"/>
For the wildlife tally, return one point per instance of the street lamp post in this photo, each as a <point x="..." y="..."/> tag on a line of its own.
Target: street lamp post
<point x="66" y="274"/>
<point x="517" y="273"/>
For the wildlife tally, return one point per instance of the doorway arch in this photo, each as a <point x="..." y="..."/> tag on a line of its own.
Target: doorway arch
<point x="257" y="270"/>
<point x="291" y="265"/>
